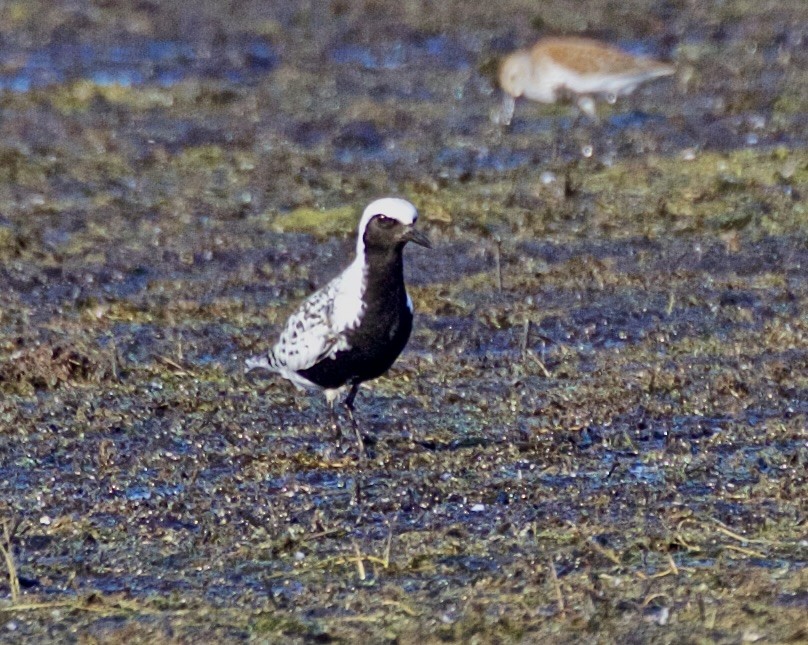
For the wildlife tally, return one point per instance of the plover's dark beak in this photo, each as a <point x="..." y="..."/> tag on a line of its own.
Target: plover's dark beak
<point x="414" y="235"/>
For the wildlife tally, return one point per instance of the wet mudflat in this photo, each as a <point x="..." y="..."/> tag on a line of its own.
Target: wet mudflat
<point x="598" y="430"/>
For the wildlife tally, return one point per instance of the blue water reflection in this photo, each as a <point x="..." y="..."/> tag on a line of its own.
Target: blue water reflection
<point x="163" y="62"/>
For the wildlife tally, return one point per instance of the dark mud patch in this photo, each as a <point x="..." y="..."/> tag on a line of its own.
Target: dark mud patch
<point x="36" y="367"/>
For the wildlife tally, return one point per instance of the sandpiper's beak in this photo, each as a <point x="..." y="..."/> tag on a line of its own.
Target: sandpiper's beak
<point x="414" y="235"/>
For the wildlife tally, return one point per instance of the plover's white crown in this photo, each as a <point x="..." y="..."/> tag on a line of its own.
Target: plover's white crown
<point x="394" y="207"/>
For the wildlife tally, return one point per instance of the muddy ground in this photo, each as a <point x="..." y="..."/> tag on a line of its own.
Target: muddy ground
<point x="598" y="430"/>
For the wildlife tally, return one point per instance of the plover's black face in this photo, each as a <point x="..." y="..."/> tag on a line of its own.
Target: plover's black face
<point x="384" y="232"/>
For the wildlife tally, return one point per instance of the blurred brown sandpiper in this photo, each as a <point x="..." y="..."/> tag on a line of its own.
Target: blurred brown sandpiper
<point x="572" y="67"/>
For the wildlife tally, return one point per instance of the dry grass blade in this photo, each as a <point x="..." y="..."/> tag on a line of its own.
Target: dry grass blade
<point x="178" y="369"/>
<point x="654" y="596"/>
<point x="557" y="586"/>
<point x="538" y="362"/>
<point x="498" y="264"/>
<point x="389" y="544"/>
<point x="8" y="555"/>
<point x="722" y="528"/>
<point x="322" y="534"/>
<point x="360" y="566"/>
<point x="740" y="549"/>
<point x="606" y="553"/>
<point x="672" y="564"/>
<point x="35" y="606"/>
<point x="404" y="608"/>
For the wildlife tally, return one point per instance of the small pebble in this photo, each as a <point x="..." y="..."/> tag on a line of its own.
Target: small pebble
<point x="659" y="616"/>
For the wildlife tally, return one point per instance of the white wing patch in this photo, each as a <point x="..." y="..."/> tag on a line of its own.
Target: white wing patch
<point x="316" y="331"/>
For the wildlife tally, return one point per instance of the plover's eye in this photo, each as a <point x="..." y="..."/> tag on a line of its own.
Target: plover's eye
<point x="384" y="221"/>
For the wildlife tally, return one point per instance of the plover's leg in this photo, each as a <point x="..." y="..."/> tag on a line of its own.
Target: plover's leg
<point x="331" y="397"/>
<point x="349" y="406"/>
<point x="584" y="103"/>
<point x="333" y="419"/>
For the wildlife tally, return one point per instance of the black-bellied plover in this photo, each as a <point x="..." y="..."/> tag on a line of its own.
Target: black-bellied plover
<point x="353" y="329"/>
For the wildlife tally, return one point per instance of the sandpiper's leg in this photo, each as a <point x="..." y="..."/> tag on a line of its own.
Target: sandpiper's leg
<point x="587" y="105"/>
<point x="586" y="117"/>
<point x="349" y="406"/>
<point x="503" y="114"/>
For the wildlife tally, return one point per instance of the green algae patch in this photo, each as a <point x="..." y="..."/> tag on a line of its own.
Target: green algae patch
<point x="321" y="223"/>
<point x="82" y="93"/>
<point x="756" y="192"/>
<point x="746" y="190"/>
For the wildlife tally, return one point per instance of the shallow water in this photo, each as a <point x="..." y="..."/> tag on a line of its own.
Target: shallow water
<point x="134" y="63"/>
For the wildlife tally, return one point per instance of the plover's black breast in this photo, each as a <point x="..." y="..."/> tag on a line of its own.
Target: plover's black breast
<point x="368" y="350"/>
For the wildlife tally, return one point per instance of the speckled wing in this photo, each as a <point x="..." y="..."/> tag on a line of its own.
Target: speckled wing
<point x="310" y="334"/>
<point x="308" y="337"/>
<point x="317" y="330"/>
